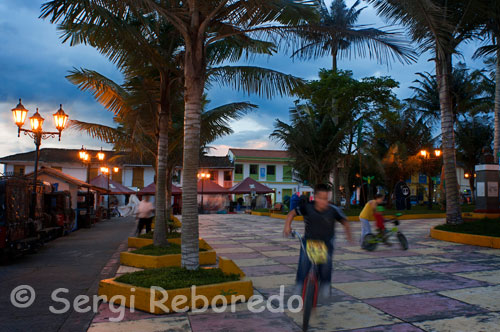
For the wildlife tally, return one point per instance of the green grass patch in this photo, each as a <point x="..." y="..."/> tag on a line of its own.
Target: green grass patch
<point x="173" y="235"/>
<point x="487" y="227"/>
<point x="152" y="250"/>
<point x="176" y="277"/>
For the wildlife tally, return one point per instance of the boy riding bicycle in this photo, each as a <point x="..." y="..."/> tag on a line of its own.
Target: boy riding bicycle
<point x="319" y="218"/>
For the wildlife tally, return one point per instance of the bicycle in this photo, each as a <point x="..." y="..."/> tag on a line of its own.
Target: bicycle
<point x="371" y="241"/>
<point x="317" y="252"/>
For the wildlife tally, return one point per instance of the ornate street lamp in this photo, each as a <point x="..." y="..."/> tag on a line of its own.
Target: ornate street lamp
<point x="203" y="176"/>
<point x="36" y="132"/>
<point x="429" y="158"/>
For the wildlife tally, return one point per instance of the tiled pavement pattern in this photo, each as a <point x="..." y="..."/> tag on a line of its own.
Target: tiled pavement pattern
<point x="434" y="286"/>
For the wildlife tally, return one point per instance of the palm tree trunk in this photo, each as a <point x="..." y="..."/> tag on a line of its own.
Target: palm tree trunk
<point x="336" y="186"/>
<point x="471" y="185"/>
<point x="169" y="196"/>
<point x="443" y="73"/>
<point x="496" y="144"/>
<point x="194" y="85"/>
<point x="334" y="58"/>
<point x="160" y="238"/>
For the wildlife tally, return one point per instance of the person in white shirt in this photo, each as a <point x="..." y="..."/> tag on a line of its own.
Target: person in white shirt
<point x="145" y="215"/>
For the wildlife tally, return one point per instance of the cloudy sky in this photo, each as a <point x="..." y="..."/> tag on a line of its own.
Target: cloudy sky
<point x="34" y="63"/>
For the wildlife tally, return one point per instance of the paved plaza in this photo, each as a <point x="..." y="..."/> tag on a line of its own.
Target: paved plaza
<point x="434" y="286"/>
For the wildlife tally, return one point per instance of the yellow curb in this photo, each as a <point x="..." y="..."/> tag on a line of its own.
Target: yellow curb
<point x="283" y="216"/>
<point x="474" y="215"/>
<point x="146" y="261"/>
<point x="475" y="240"/>
<point x="267" y="214"/>
<point x="233" y="291"/>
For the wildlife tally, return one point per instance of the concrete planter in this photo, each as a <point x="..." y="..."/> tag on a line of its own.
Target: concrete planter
<point x="475" y="240"/>
<point x="208" y="257"/>
<point x="233" y="291"/>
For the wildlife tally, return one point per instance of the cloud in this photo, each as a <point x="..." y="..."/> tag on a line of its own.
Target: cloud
<point x="34" y="63"/>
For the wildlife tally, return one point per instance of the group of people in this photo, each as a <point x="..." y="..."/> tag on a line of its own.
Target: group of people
<point x="320" y="217"/>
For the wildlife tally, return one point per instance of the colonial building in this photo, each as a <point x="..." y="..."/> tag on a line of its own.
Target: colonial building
<point x="132" y="174"/>
<point x="270" y="167"/>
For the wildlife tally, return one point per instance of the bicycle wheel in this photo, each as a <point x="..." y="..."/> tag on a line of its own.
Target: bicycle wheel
<point x="310" y="288"/>
<point x="402" y="241"/>
<point x="370" y="242"/>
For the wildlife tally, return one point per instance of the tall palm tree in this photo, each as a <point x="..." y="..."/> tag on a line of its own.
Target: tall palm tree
<point x="348" y="39"/>
<point x="215" y="27"/>
<point x="490" y="10"/>
<point x="467" y="91"/>
<point x="439" y="26"/>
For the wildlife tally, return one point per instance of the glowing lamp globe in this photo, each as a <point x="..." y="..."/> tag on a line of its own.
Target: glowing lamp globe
<point x="60" y="119"/>
<point x="36" y="121"/>
<point x="19" y="113"/>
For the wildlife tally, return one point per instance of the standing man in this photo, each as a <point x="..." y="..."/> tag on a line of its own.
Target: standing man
<point x="319" y="218"/>
<point x="145" y="215"/>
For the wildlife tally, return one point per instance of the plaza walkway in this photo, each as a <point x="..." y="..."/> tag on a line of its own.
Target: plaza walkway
<point x="75" y="262"/>
<point x="434" y="286"/>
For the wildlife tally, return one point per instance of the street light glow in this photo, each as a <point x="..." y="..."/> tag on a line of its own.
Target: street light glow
<point x="104" y="170"/>
<point x="437" y="153"/>
<point x="116" y="169"/>
<point x="423" y="153"/>
<point x="36" y="121"/>
<point x="60" y="118"/>
<point x="19" y="113"/>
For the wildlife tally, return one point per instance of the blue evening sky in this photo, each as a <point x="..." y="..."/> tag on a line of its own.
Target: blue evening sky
<point x="34" y="63"/>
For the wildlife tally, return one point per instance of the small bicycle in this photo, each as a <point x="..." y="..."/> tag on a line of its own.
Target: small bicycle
<point x="317" y="252"/>
<point x="371" y="241"/>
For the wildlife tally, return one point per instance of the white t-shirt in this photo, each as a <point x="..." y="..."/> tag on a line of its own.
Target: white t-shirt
<point x="145" y="210"/>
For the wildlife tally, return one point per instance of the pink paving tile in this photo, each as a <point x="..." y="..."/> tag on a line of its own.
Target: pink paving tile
<point x="372" y="263"/>
<point x="256" y="271"/>
<point x="243" y="255"/>
<point x="243" y="322"/>
<point x="404" y="327"/>
<point x="287" y="259"/>
<point x="220" y="246"/>
<point x="270" y="248"/>
<point x="457" y="267"/>
<point x="440" y="282"/>
<point x="353" y="276"/>
<point x="419" y="307"/>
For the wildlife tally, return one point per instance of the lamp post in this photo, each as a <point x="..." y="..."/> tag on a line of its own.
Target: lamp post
<point x="203" y="176"/>
<point x="37" y="134"/>
<point x="428" y="158"/>
<point x="86" y="158"/>
<point x="107" y="170"/>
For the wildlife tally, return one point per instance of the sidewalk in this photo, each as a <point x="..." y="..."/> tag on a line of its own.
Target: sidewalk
<point x="75" y="262"/>
<point x="434" y="286"/>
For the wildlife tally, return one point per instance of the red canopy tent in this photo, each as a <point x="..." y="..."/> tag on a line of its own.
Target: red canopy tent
<point x="151" y="190"/>
<point x="211" y="188"/>
<point x="249" y="186"/>
<point x="115" y="188"/>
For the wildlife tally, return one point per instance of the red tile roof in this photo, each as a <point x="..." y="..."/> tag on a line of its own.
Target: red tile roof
<point x="255" y="153"/>
<point x="57" y="173"/>
<point x="249" y="186"/>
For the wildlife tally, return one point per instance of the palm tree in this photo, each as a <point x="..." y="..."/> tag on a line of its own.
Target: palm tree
<point x="490" y="10"/>
<point x="210" y="31"/>
<point x="439" y="26"/>
<point x="467" y="91"/>
<point x="473" y="133"/>
<point x="314" y="154"/>
<point x="347" y="39"/>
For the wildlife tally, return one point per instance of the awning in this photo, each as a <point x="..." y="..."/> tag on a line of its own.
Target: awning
<point x="151" y="190"/>
<point x="115" y="188"/>
<point x="211" y="188"/>
<point x="249" y="186"/>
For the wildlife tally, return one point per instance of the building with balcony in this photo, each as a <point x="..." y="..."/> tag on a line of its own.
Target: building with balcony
<point x="270" y="167"/>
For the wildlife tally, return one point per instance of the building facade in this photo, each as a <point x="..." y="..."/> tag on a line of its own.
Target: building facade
<point x="269" y="167"/>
